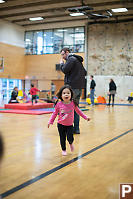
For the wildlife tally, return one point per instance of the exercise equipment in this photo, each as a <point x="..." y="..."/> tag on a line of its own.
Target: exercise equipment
<point x="28" y="106"/>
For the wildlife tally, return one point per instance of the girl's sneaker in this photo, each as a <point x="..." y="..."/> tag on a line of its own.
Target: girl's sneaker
<point x="64" y="153"/>
<point x="72" y="147"/>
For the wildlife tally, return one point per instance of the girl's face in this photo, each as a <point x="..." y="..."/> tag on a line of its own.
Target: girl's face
<point x="66" y="95"/>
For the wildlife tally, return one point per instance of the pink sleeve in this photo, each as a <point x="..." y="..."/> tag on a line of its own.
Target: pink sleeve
<point x="31" y="92"/>
<point x="54" y="114"/>
<point x="37" y="89"/>
<point x="79" y="112"/>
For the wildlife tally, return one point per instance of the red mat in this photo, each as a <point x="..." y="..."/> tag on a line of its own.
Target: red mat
<point x="30" y="112"/>
<point x="28" y="106"/>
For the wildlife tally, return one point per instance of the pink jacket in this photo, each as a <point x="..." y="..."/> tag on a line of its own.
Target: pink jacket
<point x="66" y="113"/>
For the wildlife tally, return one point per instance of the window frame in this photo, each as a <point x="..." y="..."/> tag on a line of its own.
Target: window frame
<point x="72" y="47"/>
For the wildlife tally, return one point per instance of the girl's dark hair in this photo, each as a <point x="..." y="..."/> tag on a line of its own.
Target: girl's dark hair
<point x="32" y="85"/>
<point x="59" y="94"/>
<point x="1" y="147"/>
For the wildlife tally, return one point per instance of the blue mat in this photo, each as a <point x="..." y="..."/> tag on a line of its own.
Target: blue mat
<point x="83" y="103"/>
<point x="43" y="109"/>
<point x="124" y="104"/>
<point x="117" y="104"/>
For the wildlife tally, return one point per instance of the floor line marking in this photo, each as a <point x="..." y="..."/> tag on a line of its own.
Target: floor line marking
<point x="47" y="173"/>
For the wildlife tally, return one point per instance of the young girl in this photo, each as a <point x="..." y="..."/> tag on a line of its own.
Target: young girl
<point x="65" y="108"/>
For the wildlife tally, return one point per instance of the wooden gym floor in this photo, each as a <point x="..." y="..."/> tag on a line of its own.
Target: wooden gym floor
<point x="33" y="167"/>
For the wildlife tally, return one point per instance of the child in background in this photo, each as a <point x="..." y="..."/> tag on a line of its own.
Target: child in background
<point x="65" y="108"/>
<point x="3" y="94"/>
<point x="33" y="92"/>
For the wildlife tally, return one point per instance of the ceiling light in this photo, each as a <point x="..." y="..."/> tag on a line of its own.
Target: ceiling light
<point x="76" y="14"/>
<point x="36" y="18"/>
<point x="2" y="1"/>
<point x="120" y="10"/>
<point x="110" y="14"/>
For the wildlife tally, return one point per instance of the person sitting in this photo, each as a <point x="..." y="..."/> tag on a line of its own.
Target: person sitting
<point x="130" y="99"/>
<point x="14" y="96"/>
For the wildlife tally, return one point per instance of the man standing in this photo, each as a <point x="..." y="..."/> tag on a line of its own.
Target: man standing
<point x="74" y="76"/>
<point x="53" y="87"/>
<point x="92" y="90"/>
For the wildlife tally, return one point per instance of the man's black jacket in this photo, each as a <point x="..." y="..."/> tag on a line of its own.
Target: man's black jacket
<point x="93" y="84"/>
<point x="74" y="72"/>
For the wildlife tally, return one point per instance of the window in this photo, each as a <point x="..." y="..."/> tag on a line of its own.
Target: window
<point x="58" y="40"/>
<point x="37" y="42"/>
<point x="52" y="41"/>
<point x="69" y="38"/>
<point x="4" y="83"/>
<point x="48" y="42"/>
<point x="28" y="43"/>
<point x="7" y="85"/>
<point x="79" y="40"/>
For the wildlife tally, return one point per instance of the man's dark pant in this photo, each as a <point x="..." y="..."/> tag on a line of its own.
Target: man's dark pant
<point x="92" y="91"/>
<point x="65" y="131"/>
<point x="77" y="94"/>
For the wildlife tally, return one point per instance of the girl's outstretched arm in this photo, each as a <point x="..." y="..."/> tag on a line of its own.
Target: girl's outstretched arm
<point x="88" y="119"/>
<point x="79" y="112"/>
<point x="53" y="116"/>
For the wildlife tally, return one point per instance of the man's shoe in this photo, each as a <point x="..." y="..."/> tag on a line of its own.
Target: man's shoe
<point x="76" y="132"/>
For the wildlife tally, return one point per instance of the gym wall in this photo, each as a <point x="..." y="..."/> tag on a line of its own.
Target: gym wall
<point x="42" y="67"/>
<point x="110" y="49"/>
<point x="12" y="49"/>
<point x="14" y="61"/>
<point x="110" y="55"/>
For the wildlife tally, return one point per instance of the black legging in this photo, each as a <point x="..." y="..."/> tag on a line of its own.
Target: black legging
<point x="34" y="97"/>
<point x="113" y="97"/>
<point x="65" y="131"/>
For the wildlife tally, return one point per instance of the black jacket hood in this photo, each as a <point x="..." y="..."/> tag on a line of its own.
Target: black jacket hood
<point x="74" y="72"/>
<point x="78" y="57"/>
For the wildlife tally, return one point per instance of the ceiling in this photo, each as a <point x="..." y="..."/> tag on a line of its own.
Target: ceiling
<point x="53" y="11"/>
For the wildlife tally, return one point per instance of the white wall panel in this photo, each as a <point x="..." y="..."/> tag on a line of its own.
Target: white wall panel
<point x="124" y="85"/>
<point x="11" y="34"/>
